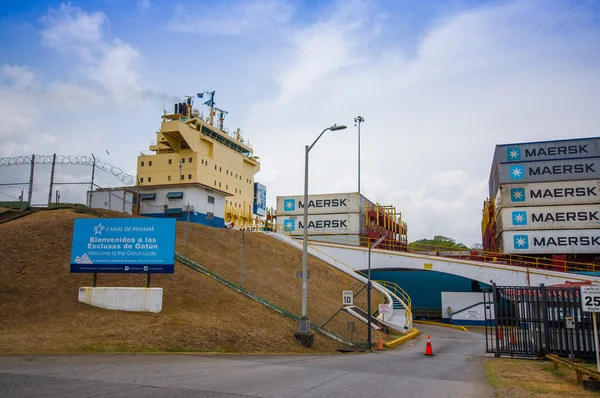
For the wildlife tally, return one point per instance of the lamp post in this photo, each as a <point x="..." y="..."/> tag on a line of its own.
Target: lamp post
<point x="303" y="333"/>
<point x="374" y="244"/>
<point x="357" y="121"/>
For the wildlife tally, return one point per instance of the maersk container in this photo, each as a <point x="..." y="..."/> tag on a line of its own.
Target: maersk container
<point x="346" y="239"/>
<point x="570" y="241"/>
<point x="324" y="224"/>
<point x="334" y="203"/>
<point x="548" y="150"/>
<point x="549" y="217"/>
<point x="548" y="171"/>
<point x="548" y="193"/>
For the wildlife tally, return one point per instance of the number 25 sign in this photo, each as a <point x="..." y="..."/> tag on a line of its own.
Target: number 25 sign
<point x="590" y="298"/>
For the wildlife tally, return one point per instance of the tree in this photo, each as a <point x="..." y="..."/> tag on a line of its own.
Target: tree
<point x="438" y="242"/>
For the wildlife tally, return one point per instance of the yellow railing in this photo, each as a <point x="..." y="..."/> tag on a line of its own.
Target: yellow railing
<point x="401" y="294"/>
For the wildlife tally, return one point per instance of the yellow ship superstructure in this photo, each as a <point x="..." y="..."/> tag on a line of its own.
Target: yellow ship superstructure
<point x="191" y="150"/>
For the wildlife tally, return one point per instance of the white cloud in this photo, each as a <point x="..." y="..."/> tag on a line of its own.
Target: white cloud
<point x="232" y="17"/>
<point x="19" y="76"/>
<point x="509" y="72"/>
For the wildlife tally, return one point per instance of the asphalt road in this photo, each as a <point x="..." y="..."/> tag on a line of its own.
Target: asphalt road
<point x="455" y="370"/>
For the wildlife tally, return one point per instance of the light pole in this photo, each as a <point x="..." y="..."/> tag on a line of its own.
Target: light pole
<point x="357" y="121"/>
<point x="374" y="244"/>
<point x="303" y="333"/>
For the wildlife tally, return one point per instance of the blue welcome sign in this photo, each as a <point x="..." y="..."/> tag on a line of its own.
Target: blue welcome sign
<point x="125" y="245"/>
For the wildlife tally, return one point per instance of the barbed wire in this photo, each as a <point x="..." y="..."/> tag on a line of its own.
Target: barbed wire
<point x="83" y="160"/>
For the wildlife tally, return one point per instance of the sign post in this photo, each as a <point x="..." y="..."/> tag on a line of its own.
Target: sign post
<point x="590" y="302"/>
<point x="348" y="297"/>
<point x="384" y="309"/>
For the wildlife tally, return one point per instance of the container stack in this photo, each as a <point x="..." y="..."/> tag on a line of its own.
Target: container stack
<point x="344" y="218"/>
<point x="546" y="199"/>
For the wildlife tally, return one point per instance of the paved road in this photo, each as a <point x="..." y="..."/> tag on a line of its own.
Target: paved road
<point x="454" y="371"/>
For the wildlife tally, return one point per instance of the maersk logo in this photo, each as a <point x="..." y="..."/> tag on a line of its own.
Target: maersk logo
<point x="519" y="218"/>
<point x="289" y="225"/>
<point x="521" y="242"/>
<point x="517" y="172"/>
<point x="513" y="154"/>
<point x="289" y="204"/>
<point x="517" y="194"/>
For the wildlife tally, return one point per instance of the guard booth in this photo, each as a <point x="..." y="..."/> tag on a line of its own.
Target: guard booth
<point x="534" y="321"/>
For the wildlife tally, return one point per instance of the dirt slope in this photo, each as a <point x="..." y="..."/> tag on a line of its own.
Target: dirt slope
<point x="39" y="311"/>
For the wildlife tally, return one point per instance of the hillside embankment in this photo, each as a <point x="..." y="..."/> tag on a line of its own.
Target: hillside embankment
<point x="40" y="313"/>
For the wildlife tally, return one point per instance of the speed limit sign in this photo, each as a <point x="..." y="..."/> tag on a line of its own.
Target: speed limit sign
<point x="348" y="297"/>
<point x="590" y="298"/>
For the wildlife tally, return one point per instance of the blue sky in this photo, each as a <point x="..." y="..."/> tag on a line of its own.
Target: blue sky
<point x="439" y="83"/>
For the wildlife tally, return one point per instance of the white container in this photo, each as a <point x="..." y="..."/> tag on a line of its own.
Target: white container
<point x="549" y="171"/>
<point x="549" y="217"/>
<point x="334" y="203"/>
<point x="346" y="239"/>
<point x="551" y="241"/>
<point x="548" y="193"/>
<point x="548" y="150"/>
<point x="322" y="224"/>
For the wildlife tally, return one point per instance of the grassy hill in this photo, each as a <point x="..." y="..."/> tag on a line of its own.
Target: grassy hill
<point x="39" y="311"/>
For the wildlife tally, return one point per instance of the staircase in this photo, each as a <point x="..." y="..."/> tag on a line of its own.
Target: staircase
<point x="363" y="316"/>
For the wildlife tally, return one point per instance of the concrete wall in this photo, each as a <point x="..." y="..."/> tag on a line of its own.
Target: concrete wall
<point x="123" y="298"/>
<point x="458" y="301"/>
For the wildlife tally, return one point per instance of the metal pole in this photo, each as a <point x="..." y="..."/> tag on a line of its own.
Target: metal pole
<point x="358" y="120"/>
<point x="305" y="237"/>
<point x="243" y="244"/>
<point x="369" y="301"/>
<point x="30" y="181"/>
<point x="187" y="229"/>
<point x="148" y="280"/>
<point x="92" y="183"/>
<point x="496" y="320"/>
<point x="51" y="180"/>
<point x="95" y="278"/>
<point x="596" y="341"/>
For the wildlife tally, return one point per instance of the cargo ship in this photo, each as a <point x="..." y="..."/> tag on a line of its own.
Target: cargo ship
<point x="544" y="202"/>
<point x="343" y="218"/>
<point x="197" y="170"/>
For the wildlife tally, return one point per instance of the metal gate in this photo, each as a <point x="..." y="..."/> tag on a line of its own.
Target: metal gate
<point x="530" y="321"/>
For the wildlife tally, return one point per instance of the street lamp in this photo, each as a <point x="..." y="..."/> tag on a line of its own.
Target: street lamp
<point x="374" y="244"/>
<point x="357" y="121"/>
<point x="303" y="333"/>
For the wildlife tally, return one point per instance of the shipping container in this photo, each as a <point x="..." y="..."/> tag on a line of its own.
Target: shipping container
<point x="548" y="193"/>
<point x="548" y="150"/>
<point x="548" y="217"/>
<point x="334" y="203"/>
<point x="547" y="171"/>
<point x="324" y="224"/>
<point x="347" y="239"/>
<point x="550" y="241"/>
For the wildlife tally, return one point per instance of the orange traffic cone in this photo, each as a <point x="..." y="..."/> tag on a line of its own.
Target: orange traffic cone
<point x="428" y="349"/>
<point x="379" y="343"/>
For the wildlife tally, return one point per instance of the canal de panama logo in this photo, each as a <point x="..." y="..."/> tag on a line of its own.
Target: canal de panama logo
<point x="521" y="242"/>
<point x="289" y="204"/>
<point x="517" y="172"/>
<point x="519" y="218"/>
<point x="289" y="225"/>
<point x="513" y="154"/>
<point x="98" y="229"/>
<point x="517" y="194"/>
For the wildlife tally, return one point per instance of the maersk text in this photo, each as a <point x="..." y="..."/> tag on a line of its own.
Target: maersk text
<point x="324" y="203"/>
<point x="567" y="241"/>
<point x="325" y="224"/>
<point x="557" y="150"/>
<point x="562" y="192"/>
<point x="562" y="169"/>
<point x="565" y="216"/>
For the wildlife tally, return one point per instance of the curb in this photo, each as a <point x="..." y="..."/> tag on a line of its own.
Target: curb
<point x="409" y="336"/>
<point x="464" y="329"/>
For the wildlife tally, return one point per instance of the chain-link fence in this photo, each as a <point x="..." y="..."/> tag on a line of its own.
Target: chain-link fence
<point x="46" y="180"/>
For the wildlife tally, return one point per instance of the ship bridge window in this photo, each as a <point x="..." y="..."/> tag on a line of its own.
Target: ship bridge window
<point x="149" y="179"/>
<point x="175" y="195"/>
<point x="182" y="160"/>
<point x="142" y="164"/>
<point x="210" y="215"/>
<point x="150" y="163"/>
<point x="190" y="160"/>
<point x="189" y="176"/>
<point x="211" y="199"/>
<point x="170" y="161"/>
<point x="142" y="180"/>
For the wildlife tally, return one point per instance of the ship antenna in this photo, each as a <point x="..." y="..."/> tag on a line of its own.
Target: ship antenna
<point x="163" y="95"/>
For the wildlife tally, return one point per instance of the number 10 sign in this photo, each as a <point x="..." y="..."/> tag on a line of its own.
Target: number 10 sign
<point x="590" y="298"/>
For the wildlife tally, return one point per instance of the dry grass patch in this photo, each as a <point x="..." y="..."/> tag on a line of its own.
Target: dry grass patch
<point x="39" y="311"/>
<point x="531" y="378"/>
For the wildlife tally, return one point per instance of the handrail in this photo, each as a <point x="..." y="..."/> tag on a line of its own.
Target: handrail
<point x="578" y="368"/>
<point x="404" y="298"/>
